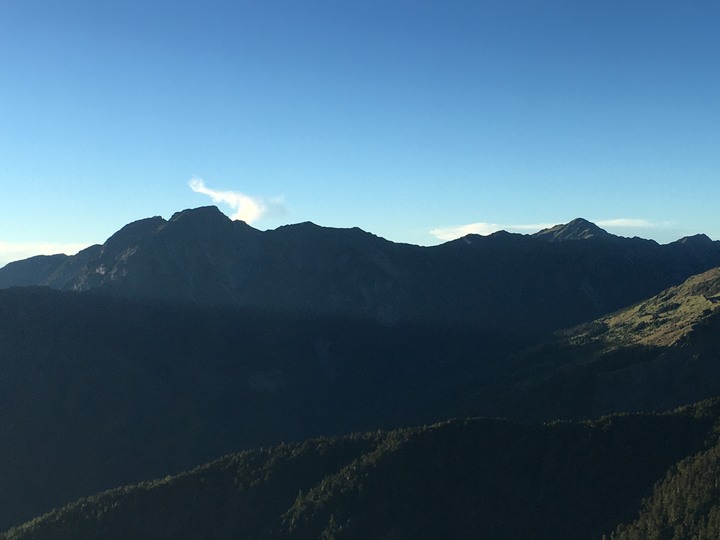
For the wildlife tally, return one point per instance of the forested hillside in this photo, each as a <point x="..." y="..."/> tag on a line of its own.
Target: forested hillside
<point x="98" y="391"/>
<point x="686" y="504"/>
<point x="474" y="478"/>
<point x="180" y="341"/>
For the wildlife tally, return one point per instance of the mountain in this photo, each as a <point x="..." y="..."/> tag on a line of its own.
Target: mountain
<point x="577" y="229"/>
<point x="472" y="478"/>
<point x="683" y="505"/>
<point x="654" y="355"/>
<point x="98" y="391"/>
<point x="181" y="340"/>
<point x="557" y="278"/>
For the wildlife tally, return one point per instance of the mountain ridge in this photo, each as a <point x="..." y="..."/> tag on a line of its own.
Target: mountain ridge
<point x="463" y="478"/>
<point x="656" y="354"/>
<point x="557" y="278"/>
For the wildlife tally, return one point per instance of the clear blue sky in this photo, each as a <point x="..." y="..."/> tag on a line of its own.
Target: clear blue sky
<point x="400" y="117"/>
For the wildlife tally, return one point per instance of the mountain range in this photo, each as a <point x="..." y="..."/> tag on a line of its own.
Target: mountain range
<point x="556" y="278"/>
<point x="179" y="341"/>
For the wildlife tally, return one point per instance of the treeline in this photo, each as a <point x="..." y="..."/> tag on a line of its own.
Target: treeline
<point x="686" y="504"/>
<point x="474" y="478"/>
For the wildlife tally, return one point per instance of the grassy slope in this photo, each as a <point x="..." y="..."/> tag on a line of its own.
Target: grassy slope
<point x="663" y="320"/>
<point x="655" y="355"/>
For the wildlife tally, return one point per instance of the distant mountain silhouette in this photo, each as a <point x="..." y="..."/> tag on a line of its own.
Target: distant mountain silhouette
<point x="535" y="283"/>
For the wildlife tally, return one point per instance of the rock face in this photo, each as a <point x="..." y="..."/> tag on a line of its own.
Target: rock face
<point x="558" y="277"/>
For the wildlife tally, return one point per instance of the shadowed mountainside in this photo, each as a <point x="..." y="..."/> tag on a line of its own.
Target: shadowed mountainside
<point x="178" y="341"/>
<point x="684" y="505"/>
<point x="474" y="478"/>
<point x="557" y="278"/>
<point x="99" y="391"/>
<point x="654" y="355"/>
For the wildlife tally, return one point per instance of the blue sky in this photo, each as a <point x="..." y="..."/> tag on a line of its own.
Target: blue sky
<point x="415" y="120"/>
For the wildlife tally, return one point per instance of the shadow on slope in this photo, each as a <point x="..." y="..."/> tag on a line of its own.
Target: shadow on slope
<point x="658" y="354"/>
<point x="98" y="391"/>
<point x="474" y="478"/>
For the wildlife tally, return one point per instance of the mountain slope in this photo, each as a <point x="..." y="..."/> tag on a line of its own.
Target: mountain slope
<point x="664" y="320"/>
<point x="657" y="354"/>
<point x="155" y="367"/>
<point x="554" y="279"/>
<point x="98" y="391"/>
<point x="684" y="505"/>
<point x="474" y="478"/>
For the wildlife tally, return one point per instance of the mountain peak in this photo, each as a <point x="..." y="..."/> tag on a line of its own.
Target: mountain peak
<point x="201" y="214"/>
<point x="577" y="229"/>
<point x="696" y="240"/>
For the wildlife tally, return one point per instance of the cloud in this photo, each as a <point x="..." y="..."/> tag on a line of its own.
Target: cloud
<point x="451" y="233"/>
<point x="631" y="223"/>
<point x="15" y="251"/>
<point x="248" y="209"/>
<point x="482" y="228"/>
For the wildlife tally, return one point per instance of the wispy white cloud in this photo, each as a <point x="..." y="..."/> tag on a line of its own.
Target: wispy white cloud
<point x="248" y="209"/>
<point x="15" y="251"/>
<point x="451" y="233"/>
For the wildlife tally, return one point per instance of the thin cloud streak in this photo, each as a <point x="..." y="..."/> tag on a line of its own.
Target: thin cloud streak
<point x="248" y="209"/>
<point x="16" y="251"/>
<point x="630" y="223"/>
<point x="484" y="229"/>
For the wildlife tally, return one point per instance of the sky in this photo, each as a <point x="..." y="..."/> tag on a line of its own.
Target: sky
<point x="416" y="120"/>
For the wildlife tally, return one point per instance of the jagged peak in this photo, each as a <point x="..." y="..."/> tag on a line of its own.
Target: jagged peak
<point x="577" y="229"/>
